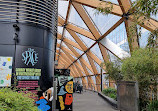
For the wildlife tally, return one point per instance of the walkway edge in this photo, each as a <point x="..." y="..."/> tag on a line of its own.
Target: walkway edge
<point x="109" y="100"/>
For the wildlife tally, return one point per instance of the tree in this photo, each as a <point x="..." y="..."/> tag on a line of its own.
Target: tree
<point x="113" y="70"/>
<point x="142" y="66"/>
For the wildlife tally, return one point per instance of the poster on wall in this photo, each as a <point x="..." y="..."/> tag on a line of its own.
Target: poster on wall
<point x="65" y="93"/>
<point x="5" y="71"/>
<point x="28" y="78"/>
<point x="62" y="72"/>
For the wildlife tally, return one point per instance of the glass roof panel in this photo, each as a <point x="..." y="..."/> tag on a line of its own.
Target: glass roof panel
<point x="112" y="1"/>
<point x="79" y="51"/>
<point x="155" y="17"/>
<point x="88" y="42"/>
<point x="67" y="35"/>
<point x="85" y="58"/>
<point x="57" y="48"/>
<point x="103" y="22"/>
<point x="60" y="30"/>
<point x="79" y="62"/>
<point x="113" y="58"/>
<point x="63" y="44"/>
<point x="62" y="8"/>
<point x="97" y="67"/>
<point x="96" y="50"/>
<point x="125" y="46"/>
<point x="143" y="40"/>
<point x="86" y="79"/>
<point x="89" y="71"/>
<point x="58" y="41"/>
<point x="93" y="78"/>
<point x="76" y="19"/>
<point x="119" y="37"/>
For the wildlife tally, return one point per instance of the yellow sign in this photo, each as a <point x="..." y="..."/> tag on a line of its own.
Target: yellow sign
<point x="69" y="87"/>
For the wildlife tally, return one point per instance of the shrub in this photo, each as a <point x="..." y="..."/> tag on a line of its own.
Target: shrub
<point x="142" y="66"/>
<point x="13" y="101"/>
<point x="113" y="70"/>
<point x="153" y="106"/>
<point x="110" y="92"/>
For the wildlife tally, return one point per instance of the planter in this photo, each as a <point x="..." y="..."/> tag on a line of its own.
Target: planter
<point x="109" y="100"/>
<point x="127" y="96"/>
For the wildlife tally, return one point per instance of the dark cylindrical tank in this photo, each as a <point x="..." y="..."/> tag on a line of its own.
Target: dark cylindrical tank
<point x="27" y="33"/>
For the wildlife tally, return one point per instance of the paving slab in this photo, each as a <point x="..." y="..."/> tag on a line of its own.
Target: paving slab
<point x="90" y="101"/>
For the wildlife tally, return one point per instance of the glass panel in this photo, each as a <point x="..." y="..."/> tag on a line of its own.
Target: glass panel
<point x="57" y="48"/>
<point x="67" y="35"/>
<point x="97" y="67"/>
<point x="155" y="17"/>
<point x="119" y="37"/>
<point x="76" y="19"/>
<point x="103" y="22"/>
<point x="60" y="30"/>
<point x="113" y="58"/>
<point x="64" y="45"/>
<point x="85" y="58"/>
<point x="105" y="81"/>
<point x="125" y="46"/>
<point x="144" y="38"/>
<point x="79" y="51"/>
<point x="58" y="41"/>
<point x="112" y="1"/>
<point x="89" y="71"/>
<point x="62" y="8"/>
<point x="93" y="78"/>
<point x="96" y="50"/>
<point x="88" y="42"/>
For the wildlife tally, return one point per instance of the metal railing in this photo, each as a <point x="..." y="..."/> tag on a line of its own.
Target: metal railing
<point x="97" y="87"/>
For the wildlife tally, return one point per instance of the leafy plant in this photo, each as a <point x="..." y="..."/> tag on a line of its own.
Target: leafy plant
<point x="13" y="101"/>
<point x="153" y="106"/>
<point x="104" y="8"/>
<point x="110" y="92"/>
<point x="147" y="7"/>
<point x="142" y="66"/>
<point x="113" y="70"/>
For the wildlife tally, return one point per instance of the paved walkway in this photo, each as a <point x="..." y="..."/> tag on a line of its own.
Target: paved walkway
<point x="90" y="101"/>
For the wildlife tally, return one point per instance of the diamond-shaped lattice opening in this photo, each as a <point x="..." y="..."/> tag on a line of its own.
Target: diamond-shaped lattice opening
<point x="96" y="50"/>
<point x="119" y="37"/>
<point x="60" y="29"/>
<point x="78" y="50"/>
<point x="103" y="22"/>
<point x="143" y="40"/>
<point x="85" y="58"/>
<point x="62" y="8"/>
<point x="88" y="42"/>
<point x="76" y="19"/>
<point x="67" y="35"/>
<point x="113" y="1"/>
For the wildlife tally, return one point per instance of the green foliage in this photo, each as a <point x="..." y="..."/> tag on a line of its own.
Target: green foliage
<point x="142" y="66"/>
<point x="147" y="7"/>
<point x="113" y="70"/>
<point x="104" y="8"/>
<point x="13" y="101"/>
<point x="110" y="92"/>
<point x="152" y="39"/>
<point x="114" y="96"/>
<point x="153" y="106"/>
